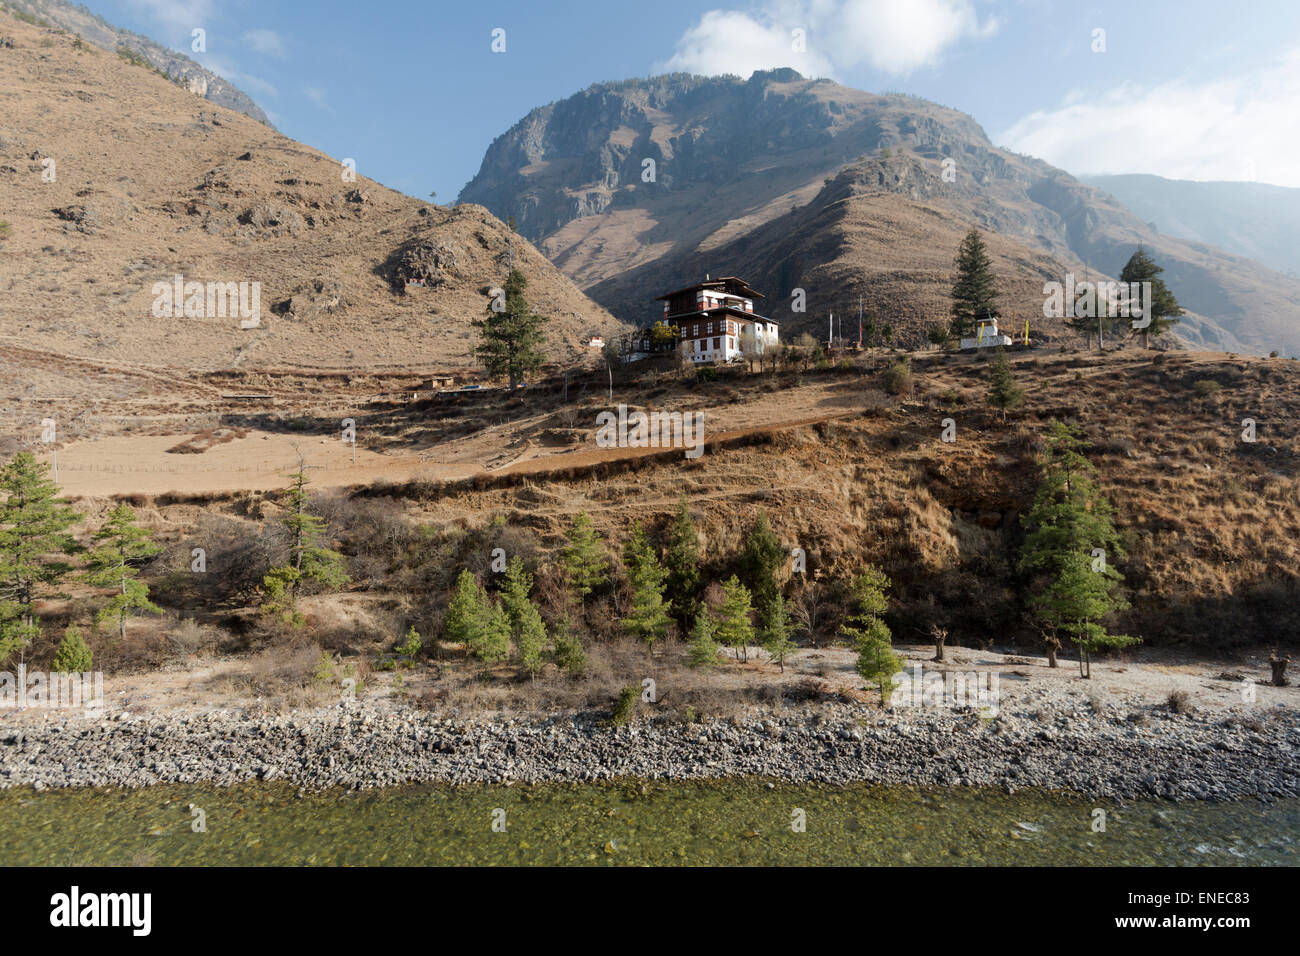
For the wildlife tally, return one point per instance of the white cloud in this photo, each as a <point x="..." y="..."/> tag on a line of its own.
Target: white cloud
<point x="887" y="35"/>
<point x="317" y="96"/>
<point x="265" y="41"/>
<point x="729" y="42"/>
<point x="179" y="16"/>
<point x="176" y="19"/>
<point x="227" y="70"/>
<point x="1238" y="128"/>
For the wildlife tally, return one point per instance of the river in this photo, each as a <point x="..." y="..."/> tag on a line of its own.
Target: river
<point x="733" y="821"/>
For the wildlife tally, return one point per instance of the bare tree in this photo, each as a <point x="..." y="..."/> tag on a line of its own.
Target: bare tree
<point x="806" y="610"/>
<point x="1278" y="665"/>
<point x="806" y="345"/>
<point x="940" y="637"/>
<point x="751" y="350"/>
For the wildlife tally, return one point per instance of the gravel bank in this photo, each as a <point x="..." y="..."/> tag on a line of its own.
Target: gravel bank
<point x="361" y="745"/>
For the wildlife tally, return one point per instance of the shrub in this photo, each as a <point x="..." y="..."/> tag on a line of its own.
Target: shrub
<point x="898" y="377"/>
<point x="625" y="705"/>
<point x="6" y="230"/>
<point x="323" y="673"/>
<point x="73" y="656"/>
<point x="706" y="373"/>
<point x="189" y="637"/>
<point x="569" y="655"/>
<point x="237" y="555"/>
<point x="1179" y="702"/>
<point x="135" y="59"/>
<point x="1206" y="388"/>
<point x="26" y="17"/>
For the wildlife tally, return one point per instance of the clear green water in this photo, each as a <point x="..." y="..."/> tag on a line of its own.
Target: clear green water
<point x="634" y="823"/>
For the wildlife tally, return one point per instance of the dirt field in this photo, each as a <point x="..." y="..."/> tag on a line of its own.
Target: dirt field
<point x="259" y="461"/>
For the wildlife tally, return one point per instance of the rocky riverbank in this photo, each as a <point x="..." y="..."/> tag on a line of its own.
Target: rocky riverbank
<point x="365" y="744"/>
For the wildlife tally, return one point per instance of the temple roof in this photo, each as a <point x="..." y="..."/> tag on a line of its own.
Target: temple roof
<point x="729" y="284"/>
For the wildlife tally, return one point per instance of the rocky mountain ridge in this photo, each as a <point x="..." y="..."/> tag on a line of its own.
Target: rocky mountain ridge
<point x="180" y="69"/>
<point x="640" y="184"/>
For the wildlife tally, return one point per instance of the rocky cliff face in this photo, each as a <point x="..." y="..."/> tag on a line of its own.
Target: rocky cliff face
<point x="640" y="184"/>
<point x="571" y="159"/>
<point x="178" y="67"/>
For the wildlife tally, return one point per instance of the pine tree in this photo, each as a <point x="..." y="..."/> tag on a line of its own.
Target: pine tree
<point x="1004" y="393"/>
<point x="516" y="587"/>
<point x="476" y="621"/>
<point x="583" y="558"/>
<point x="530" y="639"/>
<point x="682" y="562"/>
<point x="73" y="656"/>
<point x="760" y="561"/>
<point x="939" y="335"/>
<point x="1071" y="527"/>
<point x="877" y="662"/>
<point x="734" y="627"/>
<point x="702" y="649"/>
<point x="1074" y="600"/>
<point x="974" y="291"/>
<point x="411" y="644"/>
<point x="526" y="624"/>
<point x="492" y="643"/>
<point x="647" y="618"/>
<point x="1100" y="323"/>
<point x="511" y="338"/>
<point x="112" y="564"/>
<point x="33" y="529"/>
<point x="775" y="637"/>
<point x="463" y="620"/>
<point x="1163" y="309"/>
<point x="1069" y="513"/>
<point x="307" y="560"/>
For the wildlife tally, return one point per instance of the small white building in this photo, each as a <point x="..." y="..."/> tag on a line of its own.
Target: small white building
<point x="986" y="335"/>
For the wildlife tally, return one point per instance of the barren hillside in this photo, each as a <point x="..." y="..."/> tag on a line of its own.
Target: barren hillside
<point x="844" y="470"/>
<point x="113" y="180"/>
<point x="93" y="28"/>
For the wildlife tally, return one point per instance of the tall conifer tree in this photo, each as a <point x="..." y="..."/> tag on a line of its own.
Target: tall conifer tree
<point x="34" y="538"/>
<point x="511" y="334"/>
<point x="114" y="563"/>
<point x="974" y="291"/>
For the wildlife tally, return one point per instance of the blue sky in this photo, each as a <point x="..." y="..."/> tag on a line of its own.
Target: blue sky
<point x="1192" y="89"/>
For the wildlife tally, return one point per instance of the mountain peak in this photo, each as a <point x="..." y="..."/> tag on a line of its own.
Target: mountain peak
<point x="628" y="186"/>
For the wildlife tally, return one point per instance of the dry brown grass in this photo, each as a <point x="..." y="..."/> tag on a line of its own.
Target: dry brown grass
<point x="280" y="676"/>
<point x="161" y="173"/>
<point x="732" y="689"/>
<point x="1210" y="522"/>
<point x="209" y="437"/>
